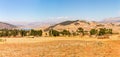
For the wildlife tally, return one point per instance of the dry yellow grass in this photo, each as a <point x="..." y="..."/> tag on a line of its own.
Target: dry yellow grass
<point x="59" y="47"/>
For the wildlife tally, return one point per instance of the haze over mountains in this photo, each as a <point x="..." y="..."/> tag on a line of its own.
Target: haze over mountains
<point x="112" y="20"/>
<point x="72" y="26"/>
<point x="63" y="25"/>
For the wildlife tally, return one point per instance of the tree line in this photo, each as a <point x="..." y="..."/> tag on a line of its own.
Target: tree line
<point x="82" y="32"/>
<point x="54" y="33"/>
<point x="19" y="33"/>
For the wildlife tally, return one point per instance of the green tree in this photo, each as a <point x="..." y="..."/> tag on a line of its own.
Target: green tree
<point x="65" y="33"/>
<point x="23" y="33"/>
<point x="36" y="32"/>
<point x="14" y="32"/>
<point x="74" y="34"/>
<point x="93" y="32"/>
<point x="54" y="32"/>
<point x="81" y="31"/>
<point x="39" y="32"/>
<point x="32" y="33"/>
<point x="102" y="31"/>
<point x="108" y="31"/>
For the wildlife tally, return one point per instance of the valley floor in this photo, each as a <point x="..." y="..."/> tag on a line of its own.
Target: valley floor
<point x="59" y="47"/>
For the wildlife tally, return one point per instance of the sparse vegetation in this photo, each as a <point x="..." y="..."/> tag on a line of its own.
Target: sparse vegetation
<point x="53" y="33"/>
<point x="19" y="33"/>
<point x="103" y="31"/>
<point x="65" y="33"/>
<point x="37" y="33"/>
<point x="81" y="31"/>
<point x="93" y="32"/>
<point x="100" y="25"/>
<point x="61" y="48"/>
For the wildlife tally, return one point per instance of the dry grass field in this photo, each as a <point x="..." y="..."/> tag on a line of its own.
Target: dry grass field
<point x="59" y="47"/>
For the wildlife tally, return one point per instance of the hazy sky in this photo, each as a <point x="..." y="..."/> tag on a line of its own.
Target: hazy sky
<point x="52" y="10"/>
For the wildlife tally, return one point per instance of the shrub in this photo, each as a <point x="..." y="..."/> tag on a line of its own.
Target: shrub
<point x="54" y="33"/>
<point x="65" y="33"/>
<point x="81" y="31"/>
<point x="103" y="31"/>
<point x="93" y="32"/>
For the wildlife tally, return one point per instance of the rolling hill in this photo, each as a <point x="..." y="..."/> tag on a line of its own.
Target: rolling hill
<point x="72" y="26"/>
<point x="4" y="25"/>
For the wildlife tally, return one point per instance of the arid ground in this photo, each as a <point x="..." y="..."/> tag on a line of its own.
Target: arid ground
<point x="59" y="47"/>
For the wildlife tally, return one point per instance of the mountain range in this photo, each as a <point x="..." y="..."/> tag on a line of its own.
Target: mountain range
<point x="112" y="23"/>
<point x="111" y="20"/>
<point x="69" y="25"/>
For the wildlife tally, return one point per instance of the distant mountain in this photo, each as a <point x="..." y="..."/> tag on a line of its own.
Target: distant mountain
<point x="37" y="25"/>
<point x="4" y="25"/>
<point x="32" y="25"/>
<point x="111" y="20"/>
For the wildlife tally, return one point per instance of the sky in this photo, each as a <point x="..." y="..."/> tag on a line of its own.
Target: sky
<point x="58" y="10"/>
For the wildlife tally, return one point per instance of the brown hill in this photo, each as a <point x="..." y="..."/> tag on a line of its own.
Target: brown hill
<point x="6" y="26"/>
<point x="74" y="25"/>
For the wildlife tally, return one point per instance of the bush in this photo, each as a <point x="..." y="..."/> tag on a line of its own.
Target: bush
<point x="104" y="31"/>
<point x="81" y="31"/>
<point x="93" y="32"/>
<point x="22" y="33"/>
<point x="65" y="33"/>
<point x="36" y="33"/>
<point x="54" y="33"/>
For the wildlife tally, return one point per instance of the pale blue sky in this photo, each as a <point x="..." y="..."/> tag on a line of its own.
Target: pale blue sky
<point x="51" y="10"/>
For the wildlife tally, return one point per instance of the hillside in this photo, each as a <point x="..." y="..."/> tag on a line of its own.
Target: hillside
<point x="4" y="25"/>
<point x="74" y="25"/>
